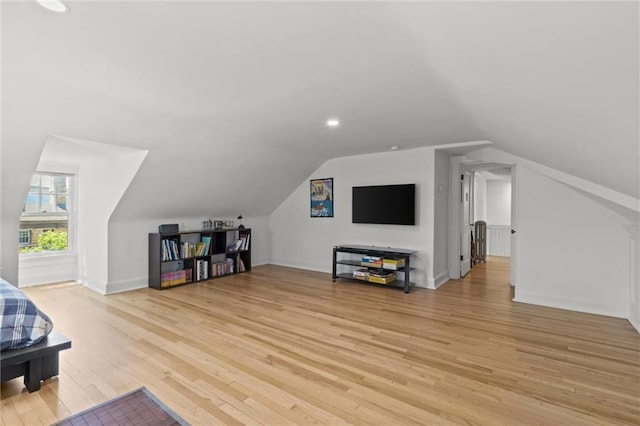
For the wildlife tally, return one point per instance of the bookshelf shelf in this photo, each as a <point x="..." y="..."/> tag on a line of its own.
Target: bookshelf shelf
<point x="180" y="258"/>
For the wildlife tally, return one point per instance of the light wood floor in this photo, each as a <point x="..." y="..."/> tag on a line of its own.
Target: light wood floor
<point x="285" y="346"/>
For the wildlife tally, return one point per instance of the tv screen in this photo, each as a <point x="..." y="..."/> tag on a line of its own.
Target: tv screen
<point x="384" y="204"/>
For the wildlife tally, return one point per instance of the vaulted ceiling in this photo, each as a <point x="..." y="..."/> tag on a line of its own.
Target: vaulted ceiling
<point x="230" y="99"/>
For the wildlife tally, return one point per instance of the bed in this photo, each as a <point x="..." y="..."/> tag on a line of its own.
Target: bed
<point x="23" y="324"/>
<point x="28" y="345"/>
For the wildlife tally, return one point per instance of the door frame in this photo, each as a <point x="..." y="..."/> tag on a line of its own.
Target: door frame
<point x="513" y="263"/>
<point x="466" y="201"/>
<point x="457" y="165"/>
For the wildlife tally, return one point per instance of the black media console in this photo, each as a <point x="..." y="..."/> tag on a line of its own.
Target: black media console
<point x="392" y="254"/>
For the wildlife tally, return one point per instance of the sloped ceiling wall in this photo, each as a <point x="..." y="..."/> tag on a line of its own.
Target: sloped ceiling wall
<point x="230" y="98"/>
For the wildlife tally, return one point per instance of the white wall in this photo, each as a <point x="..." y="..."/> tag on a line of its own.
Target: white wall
<point x="479" y="198"/>
<point x="297" y="240"/>
<point x="2" y="224"/>
<point x="103" y="173"/>
<point x="492" y="204"/>
<point x="1" y="188"/>
<point x="498" y="208"/>
<point x="573" y="251"/>
<point x="634" y="275"/>
<point x="103" y="181"/>
<point x="129" y="247"/>
<point x="440" y="248"/>
<point x="498" y="202"/>
<point x="47" y="269"/>
<point x="19" y="161"/>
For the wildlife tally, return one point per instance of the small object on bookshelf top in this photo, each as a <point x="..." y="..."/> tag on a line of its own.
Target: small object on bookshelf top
<point x="168" y="228"/>
<point x="219" y="225"/>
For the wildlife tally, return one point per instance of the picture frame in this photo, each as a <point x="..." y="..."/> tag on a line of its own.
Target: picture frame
<point x="321" y="196"/>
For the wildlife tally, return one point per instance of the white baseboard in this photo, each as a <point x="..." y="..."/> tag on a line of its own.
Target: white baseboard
<point x="95" y="285"/>
<point x="435" y="283"/>
<point x="634" y="316"/>
<point x="441" y="278"/>
<point x="120" y="286"/>
<point x="259" y="262"/>
<point x="311" y="266"/>
<point x="588" y="307"/>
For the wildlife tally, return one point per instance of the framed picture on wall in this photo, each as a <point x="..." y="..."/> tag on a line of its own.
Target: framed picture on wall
<point x="322" y="197"/>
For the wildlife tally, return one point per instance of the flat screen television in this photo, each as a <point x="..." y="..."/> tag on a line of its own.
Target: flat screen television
<point x="384" y="204"/>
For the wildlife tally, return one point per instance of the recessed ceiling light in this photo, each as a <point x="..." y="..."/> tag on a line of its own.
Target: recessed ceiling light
<point x="54" y="5"/>
<point x="333" y="122"/>
<point x="395" y="148"/>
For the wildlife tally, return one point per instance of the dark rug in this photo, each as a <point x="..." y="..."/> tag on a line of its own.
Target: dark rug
<point x="139" y="407"/>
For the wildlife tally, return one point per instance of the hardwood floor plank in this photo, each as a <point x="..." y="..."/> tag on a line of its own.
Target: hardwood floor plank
<point x="286" y="346"/>
<point x="9" y="415"/>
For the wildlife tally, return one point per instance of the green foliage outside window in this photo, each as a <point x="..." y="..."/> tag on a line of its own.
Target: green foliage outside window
<point x="49" y="241"/>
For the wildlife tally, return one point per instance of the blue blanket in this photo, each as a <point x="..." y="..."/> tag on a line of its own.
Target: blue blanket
<point x="23" y="324"/>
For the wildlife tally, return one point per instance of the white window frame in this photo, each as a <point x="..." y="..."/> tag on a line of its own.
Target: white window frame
<point x="26" y="232"/>
<point x="71" y="218"/>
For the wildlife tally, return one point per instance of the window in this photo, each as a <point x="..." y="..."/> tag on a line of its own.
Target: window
<point x="44" y="224"/>
<point x="25" y="237"/>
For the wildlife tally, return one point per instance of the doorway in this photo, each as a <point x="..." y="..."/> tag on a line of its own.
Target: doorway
<point x="492" y="205"/>
<point x="492" y="199"/>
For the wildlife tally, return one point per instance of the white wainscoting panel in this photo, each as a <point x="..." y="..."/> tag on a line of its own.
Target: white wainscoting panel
<point x="499" y="240"/>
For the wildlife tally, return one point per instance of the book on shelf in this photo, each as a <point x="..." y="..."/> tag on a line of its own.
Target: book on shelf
<point x="202" y="270"/>
<point x="189" y="249"/>
<point x="381" y="276"/>
<point x="169" y="250"/>
<point x="207" y="243"/>
<point x="375" y="262"/>
<point x="168" y="279"/>
<point x="175" y="255"/>
<point x="235" y="246"/>
<point x="361" y="274"/>
<point x="223" y="268"/>
<point x="244" y="238"/>
<point x="393" y="263"/>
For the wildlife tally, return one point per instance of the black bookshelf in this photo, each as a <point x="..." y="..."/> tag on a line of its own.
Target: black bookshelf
<point x="392" y="254"/>
<point x="186" y="257"/>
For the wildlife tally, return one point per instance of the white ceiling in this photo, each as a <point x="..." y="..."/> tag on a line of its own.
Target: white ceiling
<point x="230" y="98"/>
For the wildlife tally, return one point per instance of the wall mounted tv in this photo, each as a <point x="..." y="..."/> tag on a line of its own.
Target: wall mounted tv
<point x="384" y="204"/>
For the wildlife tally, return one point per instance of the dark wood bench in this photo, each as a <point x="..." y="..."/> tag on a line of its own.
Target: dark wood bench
<point x="36" y="363"/>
